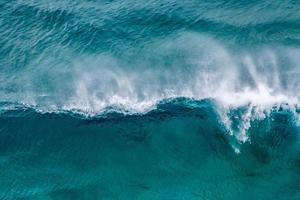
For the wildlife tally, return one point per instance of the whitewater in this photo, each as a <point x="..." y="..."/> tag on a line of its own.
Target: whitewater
<point x="149" y="99"/>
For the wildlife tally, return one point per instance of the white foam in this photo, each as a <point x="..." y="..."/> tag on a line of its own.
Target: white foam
<point x="188" y="65"/>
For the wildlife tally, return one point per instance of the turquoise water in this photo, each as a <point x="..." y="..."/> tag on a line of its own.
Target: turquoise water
<point x="149" y="100"/>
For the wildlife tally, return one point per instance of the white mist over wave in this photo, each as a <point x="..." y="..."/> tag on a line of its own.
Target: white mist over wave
<point x="189" y="65"/>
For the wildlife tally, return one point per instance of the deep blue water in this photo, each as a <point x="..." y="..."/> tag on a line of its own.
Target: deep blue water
<point x="140" y="99"/>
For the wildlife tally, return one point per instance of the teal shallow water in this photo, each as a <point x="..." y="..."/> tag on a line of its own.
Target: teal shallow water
<point x="149" y="99"/>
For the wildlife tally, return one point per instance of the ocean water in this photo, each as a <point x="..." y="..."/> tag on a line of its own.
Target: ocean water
<point x="148" y="99"/>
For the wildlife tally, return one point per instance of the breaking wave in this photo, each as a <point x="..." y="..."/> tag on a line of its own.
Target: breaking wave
<point x="149" y="100"/>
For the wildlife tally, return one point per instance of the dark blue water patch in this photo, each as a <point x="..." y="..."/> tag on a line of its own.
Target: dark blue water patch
<point x="177" y="150"/>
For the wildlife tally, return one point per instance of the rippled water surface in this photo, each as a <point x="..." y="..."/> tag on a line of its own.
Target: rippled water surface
<point x="139" y="99"/>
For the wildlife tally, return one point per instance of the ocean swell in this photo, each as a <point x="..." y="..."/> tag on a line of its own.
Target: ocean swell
<point x="141" y="99"/>
<point x="181" y="137"/>
<point x="190" y="65"/>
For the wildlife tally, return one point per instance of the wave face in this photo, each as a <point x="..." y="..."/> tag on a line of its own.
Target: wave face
<point x="149" y="99"/>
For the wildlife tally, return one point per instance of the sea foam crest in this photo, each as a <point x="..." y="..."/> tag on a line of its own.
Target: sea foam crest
<point x="188" y="65"/>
